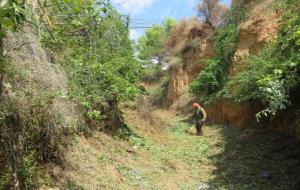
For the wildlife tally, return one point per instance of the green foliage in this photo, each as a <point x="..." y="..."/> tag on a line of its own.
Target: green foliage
<point x="151" y="73"/>
<point x="91" y="41"/>
<point x="208" y="81"/>
<point x="268" y="77"/>
<point x="226" y="41"/>
<point x="178" y="127"/>
<point x="5" y="179"/>
<point x="12" y="14"/>
<point x="212" y="79"/>
<point x="94" y="47"/>
<point x="151" y="44"/>
<point x="28" y="171"/>
<point x="94" y="115"/>
<point x="271" y="75"/>
<point x="161" y="92"/>
<point x="227" y="35"/>
<point x="139" y="142"/>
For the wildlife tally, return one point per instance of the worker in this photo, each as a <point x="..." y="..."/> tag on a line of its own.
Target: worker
<point x="199" y="118"/>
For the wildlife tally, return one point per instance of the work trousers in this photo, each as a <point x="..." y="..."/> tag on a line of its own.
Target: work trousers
<point x="199" y="126"/>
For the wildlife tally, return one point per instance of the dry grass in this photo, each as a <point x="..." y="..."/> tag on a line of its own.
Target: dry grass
<point x="39" y="79"/>
<point x="154" y="158"/>
<point x="38" y="89"/>
<point x="160" y="155"/>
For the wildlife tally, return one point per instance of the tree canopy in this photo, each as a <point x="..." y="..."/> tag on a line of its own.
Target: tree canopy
<point x="152" y="43"/>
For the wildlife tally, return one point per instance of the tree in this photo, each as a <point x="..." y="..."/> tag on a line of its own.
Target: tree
<point x="151" y="44"/>
<point x="212" y="12"/>
<point x="150" y="48"/>
<point x="94" y="47"/>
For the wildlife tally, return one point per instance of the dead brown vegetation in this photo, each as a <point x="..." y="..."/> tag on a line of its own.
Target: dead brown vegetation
<point x="35" y="114"/>
<point x="212" y="12"/>
<point x="185" y="32"/>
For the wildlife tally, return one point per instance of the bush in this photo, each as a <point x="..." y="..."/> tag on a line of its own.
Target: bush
<point x="212" y="79"/>
<point x="270" y="76"/>
<point x="160" y="93"/>
<point x="92" y="43"/>
<point x="208" y="81"/>
<point x="152" y="74"/>
<point x="98" y="57"/>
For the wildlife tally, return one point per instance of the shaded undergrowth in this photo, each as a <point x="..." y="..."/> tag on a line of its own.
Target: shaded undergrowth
<point x="256" y="159"/>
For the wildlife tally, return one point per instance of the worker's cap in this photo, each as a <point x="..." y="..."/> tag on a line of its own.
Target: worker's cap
<point x="195" y="105"/>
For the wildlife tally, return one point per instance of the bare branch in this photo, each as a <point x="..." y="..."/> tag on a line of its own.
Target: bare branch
<point x="212" y="12"/>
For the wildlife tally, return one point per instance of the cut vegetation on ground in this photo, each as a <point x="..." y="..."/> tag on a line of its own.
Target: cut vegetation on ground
<point x="160" y="155"/>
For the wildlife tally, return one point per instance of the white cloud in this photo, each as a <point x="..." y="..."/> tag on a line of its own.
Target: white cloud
<point x="133" y="6"/>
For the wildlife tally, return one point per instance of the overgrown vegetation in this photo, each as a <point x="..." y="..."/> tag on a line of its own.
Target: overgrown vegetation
<point x="88" y="42"/>
<point x="97" y="55"/>
<point x="11" y="17"/>
<point x="90" y="39"/>
<point x="151" y="50"/>
<point x="212" y="79"/>
<point x="152" y="43"/>
<point x="160" y="93"/>
<point x="270" y="76"/>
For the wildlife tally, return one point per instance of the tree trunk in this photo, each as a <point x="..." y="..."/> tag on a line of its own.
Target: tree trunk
<point x="114" y="113"/>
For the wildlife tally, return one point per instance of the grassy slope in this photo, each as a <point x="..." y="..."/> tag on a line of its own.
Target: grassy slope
<point x="162" y="156"/>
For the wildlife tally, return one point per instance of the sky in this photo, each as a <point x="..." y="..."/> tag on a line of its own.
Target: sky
<point x="144" y="13"/>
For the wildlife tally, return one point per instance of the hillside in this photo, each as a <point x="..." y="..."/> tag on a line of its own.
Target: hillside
<point x="219" y="87"/>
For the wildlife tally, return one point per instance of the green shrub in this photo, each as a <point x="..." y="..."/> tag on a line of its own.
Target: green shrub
<point x="208" y="81"/>
<point x="90" y="39"/>
<point x="271" y="75"/>
<point x="98" y="57"/>
<point x="212" y="79"/>
<point x="160" y="93"/>
<point x="152" y="74"/>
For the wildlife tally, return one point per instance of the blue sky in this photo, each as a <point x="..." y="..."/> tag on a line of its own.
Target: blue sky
<point x="148" y="12"/>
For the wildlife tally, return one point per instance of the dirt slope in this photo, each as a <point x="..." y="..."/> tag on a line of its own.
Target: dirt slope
<point x="261" y="27"/>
